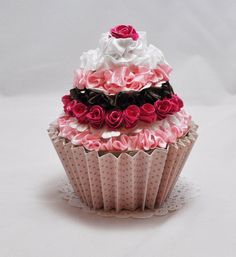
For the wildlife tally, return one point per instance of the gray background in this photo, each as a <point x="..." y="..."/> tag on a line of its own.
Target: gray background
<point x="40" y="46"/>
<point x="41" y="41"/>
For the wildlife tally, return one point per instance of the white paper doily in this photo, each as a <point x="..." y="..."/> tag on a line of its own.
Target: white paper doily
<point x="183" y="192"/>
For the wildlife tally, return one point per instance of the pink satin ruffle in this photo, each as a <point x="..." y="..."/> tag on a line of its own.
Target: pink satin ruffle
<point x="143" y="136"/>
<point x="121" y="78"/>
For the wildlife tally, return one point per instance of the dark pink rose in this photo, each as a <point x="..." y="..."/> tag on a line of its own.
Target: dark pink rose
<point x="131" y="115"/>
<point x="180" y="102"/>
<point x="68" y="108"/>
<point x="114" y="118"/>
<point x="66" y="99"/>
<point x="123" y="31"/>
<point x="148" y="113"/>
<point x="96" y="116"/>
<point x="163" y="108"/>
<point x="177" y="104"/>
<point x="80" y="110"/>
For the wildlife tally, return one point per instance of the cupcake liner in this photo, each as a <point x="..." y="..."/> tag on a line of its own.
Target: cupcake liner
<point x="125" y="180"/>
<point x="177" y="156"/>
<point x="188" y="143"/>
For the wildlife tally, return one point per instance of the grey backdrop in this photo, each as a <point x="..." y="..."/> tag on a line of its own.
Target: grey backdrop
<point x="40" y="45"/>
<point x="41" y="41"/>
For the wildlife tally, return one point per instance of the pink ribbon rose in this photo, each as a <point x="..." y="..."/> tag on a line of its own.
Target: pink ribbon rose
<point x="147" y="113"/>
<point x="124" y="31"/>
<point x="114" y="118"/>
<point x="178" y="100"/>
<point x="163" y="108"/>
<point x="66" y="99"/>
<point x="168" y="106"/>
<point x="96" y="116"/>
<point x="80" y="110"/>
<point x="68" y="107"/>
<point x="131" y="115"/>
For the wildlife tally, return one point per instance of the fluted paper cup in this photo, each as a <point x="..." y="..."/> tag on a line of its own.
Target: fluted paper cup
<point x="124" y="180"/>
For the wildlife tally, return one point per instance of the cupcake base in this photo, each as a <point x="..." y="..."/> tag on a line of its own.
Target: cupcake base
<point x="125" y="180"/>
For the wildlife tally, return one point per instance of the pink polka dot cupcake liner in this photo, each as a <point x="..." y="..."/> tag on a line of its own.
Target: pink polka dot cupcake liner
<point x="124" y="180"/>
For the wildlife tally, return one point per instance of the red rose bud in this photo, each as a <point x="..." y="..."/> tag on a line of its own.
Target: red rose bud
<point x="68" y="108"/>
<point x="123" y="31"/>
<point x="80" y="110"/>
<point x="131" y="115"/>
<point x="163" y="108"/>
<point x="66" y="99"/>
<point x="96" y="116"/>
<point x="114" y="118"/>
<point x="148" y="113"/>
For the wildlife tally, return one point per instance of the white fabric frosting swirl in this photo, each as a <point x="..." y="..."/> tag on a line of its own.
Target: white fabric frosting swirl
<point x="116" y="52"/>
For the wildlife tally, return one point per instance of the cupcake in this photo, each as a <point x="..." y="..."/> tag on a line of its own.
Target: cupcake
<point x="124" y="136"/>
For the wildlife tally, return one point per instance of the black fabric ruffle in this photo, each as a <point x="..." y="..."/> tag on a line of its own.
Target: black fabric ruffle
<point x="123" y="99"/>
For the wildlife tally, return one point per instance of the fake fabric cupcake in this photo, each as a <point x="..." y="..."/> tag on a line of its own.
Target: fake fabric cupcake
<point x="124" y="136"/>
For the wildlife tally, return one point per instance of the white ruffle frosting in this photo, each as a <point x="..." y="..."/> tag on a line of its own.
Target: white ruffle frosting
<point x="115" y="52"/>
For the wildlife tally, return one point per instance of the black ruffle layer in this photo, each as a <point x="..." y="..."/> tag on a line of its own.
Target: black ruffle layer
<point x="123" y="99"/>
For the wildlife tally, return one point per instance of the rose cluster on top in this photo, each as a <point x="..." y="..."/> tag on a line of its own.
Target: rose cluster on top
<point x="124" y="31"/>
<point x="96" y="116"/>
